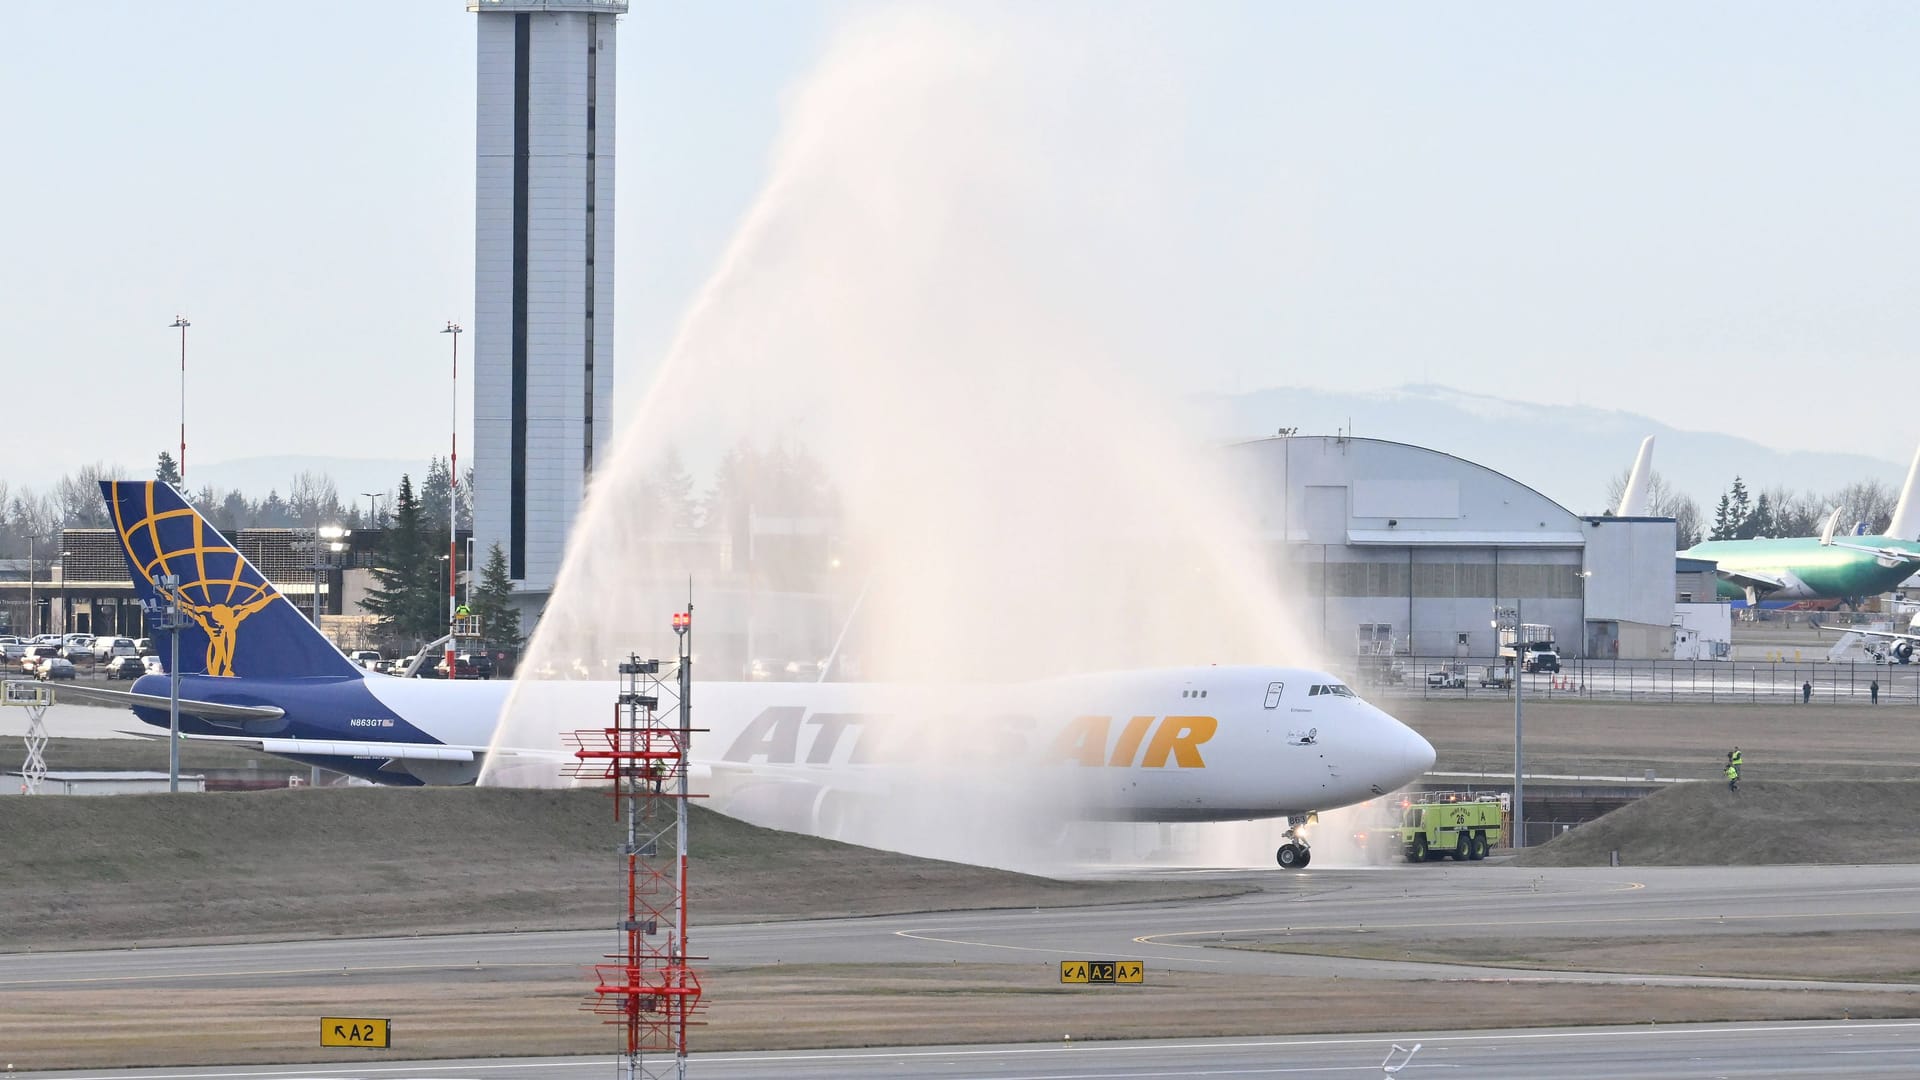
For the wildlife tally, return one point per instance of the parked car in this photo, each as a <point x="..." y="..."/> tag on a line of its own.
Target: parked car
<point x="366" y="658"/>
<point x="153" y="665"/>
<point x="11" y="652"/>
<point x="144" y="647"/>
<point x="9" y="639"/>
<point x="37" y="655"/>
<point x="54" y="667"/>
<point x="125" y="667"/>
<point x="109" y="648"/>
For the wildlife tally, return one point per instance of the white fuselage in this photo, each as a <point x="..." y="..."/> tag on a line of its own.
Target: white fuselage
<point x="1185" y="744"/>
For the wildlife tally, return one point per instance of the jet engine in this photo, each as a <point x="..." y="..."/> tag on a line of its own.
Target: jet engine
<point x="1902" y="652"/>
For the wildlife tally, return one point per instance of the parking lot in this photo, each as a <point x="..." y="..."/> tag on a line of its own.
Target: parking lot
<point x="77" y="656"/>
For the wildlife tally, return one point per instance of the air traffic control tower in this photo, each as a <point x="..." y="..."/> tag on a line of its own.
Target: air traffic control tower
<point x="543" y="274"/>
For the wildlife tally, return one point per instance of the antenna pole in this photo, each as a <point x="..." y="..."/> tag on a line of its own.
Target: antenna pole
<point x="181" y="322"/>
<point x="453" y="502"/>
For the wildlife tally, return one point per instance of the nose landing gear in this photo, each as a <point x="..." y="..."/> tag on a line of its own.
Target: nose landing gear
<point x="1296" y="853"/>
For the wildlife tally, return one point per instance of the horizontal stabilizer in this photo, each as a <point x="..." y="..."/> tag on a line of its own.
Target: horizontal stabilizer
<point x="211" y="710"/>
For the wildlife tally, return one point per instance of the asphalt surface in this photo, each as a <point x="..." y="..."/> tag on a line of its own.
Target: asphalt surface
<point x="1590" y="902"/>
<point x="1831" y="1050"/>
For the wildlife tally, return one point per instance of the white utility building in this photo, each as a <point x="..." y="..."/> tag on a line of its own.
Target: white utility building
<point x="1390" y="547"/>
<point x="543" y="274"/>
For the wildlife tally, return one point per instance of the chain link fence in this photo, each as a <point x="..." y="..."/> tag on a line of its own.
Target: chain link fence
<point x="1697" y="681"/>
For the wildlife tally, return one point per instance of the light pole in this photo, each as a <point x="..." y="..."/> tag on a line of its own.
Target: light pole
<point x="163" y="612"/>
<point x="33" y="610"/>
<point x="63" y="600"/>
<point x="371" y="496"/>
<point x="469" y="571"/>
<point x="1509" y="619"/>
<point x="453" y="496"/>
<point x="180" y="322"/>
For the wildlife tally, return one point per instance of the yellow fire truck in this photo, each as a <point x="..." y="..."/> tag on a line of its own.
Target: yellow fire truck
<point x="1463" y="826"/>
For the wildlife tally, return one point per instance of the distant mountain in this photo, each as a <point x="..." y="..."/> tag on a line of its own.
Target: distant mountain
<point x="258" y="475"/>
<point x="1567" y="452"/>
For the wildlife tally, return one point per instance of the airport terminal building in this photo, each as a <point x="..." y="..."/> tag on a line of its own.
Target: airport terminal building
<point x="1395" y="548"/>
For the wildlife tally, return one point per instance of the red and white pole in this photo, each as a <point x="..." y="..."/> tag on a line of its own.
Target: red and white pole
<point x="180" y="321"/>
<point x="453" y="499"/>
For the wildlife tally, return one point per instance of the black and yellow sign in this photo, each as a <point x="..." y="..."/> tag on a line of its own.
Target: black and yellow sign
<point x="1124" y="972"/>
<point x="362" y="1031"/>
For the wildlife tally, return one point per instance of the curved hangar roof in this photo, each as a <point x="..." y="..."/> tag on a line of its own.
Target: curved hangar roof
<point x="1331" y="489"/>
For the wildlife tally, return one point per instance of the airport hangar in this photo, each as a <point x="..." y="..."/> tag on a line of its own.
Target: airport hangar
<point x="1389" y="547"/>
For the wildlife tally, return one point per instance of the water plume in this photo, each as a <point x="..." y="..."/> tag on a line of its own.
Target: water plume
<point x="915" y="382"/>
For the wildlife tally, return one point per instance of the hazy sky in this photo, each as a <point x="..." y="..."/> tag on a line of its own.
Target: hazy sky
<point x="1702" y="212"/>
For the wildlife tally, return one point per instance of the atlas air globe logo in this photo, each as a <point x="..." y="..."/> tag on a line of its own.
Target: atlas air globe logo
<point x="217" y="589"/>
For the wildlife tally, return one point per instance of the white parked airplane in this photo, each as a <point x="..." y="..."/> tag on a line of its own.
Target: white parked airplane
<point x="1178" y="744"/>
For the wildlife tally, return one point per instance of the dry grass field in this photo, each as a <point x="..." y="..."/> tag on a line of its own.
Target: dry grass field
<point x="1781" y="742"/>
<point x="820" y="1006"/>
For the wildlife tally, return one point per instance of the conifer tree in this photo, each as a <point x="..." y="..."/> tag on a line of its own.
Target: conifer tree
<point x="408" y="598"/>
<point x="492" y="602"/>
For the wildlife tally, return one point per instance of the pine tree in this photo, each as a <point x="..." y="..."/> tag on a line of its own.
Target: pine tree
<point x="435" y="491"/>
<point x="408" y="597"/>
<point x="168" y="471"/>
<point x="1760" y="522"/>
<point x="492" y="602"/>
<point x="1723" y="523"/>
<point x="1740" y="508"/>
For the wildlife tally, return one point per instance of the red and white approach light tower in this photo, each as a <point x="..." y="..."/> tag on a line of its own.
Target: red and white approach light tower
<point x="649" y="988"/>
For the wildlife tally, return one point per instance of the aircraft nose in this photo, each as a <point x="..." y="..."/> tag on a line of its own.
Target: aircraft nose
<point x="1419" y="752"/>
<point x="1408" y="755"/>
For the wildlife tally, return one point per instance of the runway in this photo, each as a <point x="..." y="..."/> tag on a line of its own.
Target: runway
<point x="1837" y="1050"/>
<point x="1471" y="899"/>
<point x="1489" y="900"/>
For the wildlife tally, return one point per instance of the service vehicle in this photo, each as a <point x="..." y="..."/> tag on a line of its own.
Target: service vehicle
<point x="1463" y="827"/>
<point x="1496" y="677"/>
<point x="1451" y="677"/>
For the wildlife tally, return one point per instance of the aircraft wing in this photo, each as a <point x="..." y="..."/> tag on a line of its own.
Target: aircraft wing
<point x="403" y="751"/>
<point x="1754" y="580"/>
<point x="1890" y="635"/>
<point x="1886" y="556"/>
<point x="211" y="710"/>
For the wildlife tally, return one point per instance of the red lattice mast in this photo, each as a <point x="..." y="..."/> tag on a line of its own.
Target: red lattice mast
<point x="649" y="988"/>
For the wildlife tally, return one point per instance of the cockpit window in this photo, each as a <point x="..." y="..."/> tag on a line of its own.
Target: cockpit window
<point x="1339" y="690"/>
<point x="1334" y="689"/>
<point x="1274" y="690"/>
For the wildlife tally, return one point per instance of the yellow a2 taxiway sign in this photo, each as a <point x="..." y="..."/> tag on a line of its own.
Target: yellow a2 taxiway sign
<point x="367" y="1032"/>
<point x="1106" y="972"/>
